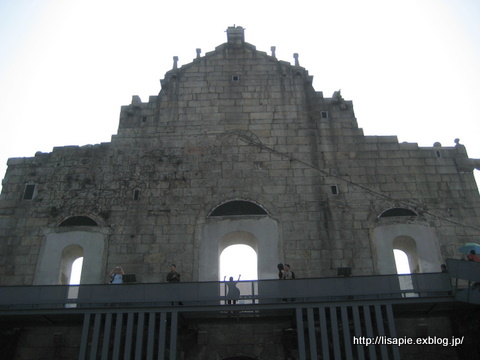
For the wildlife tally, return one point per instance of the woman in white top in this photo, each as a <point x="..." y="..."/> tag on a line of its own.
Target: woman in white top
<point x="117" y="275"/>
<point x="288" y="274"/>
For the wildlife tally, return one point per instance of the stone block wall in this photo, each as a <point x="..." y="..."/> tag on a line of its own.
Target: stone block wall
<point x="236" y="124"/>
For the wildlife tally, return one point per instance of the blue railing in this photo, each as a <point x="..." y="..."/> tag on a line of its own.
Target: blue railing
<point x="214" y="293"/>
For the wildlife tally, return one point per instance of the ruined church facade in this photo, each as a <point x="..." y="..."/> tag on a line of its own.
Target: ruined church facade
<point x="237" y="148"/>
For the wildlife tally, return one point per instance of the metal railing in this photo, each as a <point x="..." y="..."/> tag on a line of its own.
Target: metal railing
<point x="466" y="275"/>
<point x="201" y="294"/>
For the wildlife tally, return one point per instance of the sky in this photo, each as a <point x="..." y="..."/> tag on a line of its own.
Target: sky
<point x="411" y="67"/>
<point x="233" y="265"/>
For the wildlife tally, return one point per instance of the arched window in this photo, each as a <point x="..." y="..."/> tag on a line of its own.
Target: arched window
<point x="69" y="255"/>
<point x="78" y="221"/>
<point x="397" y="212"/>
<point x="233" y="223"/>
<point x="75" y="279"/>
<point x="406" y="261"/>
<point x="401" y="262"/>
<point x="235" y="260"/>
<point x="408" y="246"/>
<point x="76" y="271"/>
<point x="416" y="239"/>
<point x="238" y="207"/>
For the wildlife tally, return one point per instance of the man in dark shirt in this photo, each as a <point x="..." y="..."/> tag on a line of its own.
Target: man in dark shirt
<point x="173" y="276"/>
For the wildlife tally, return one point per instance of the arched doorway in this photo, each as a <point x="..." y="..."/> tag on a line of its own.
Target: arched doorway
<point x="401" y="262"/>
<point x="236" y="260"/>
<point x="408" y="246"/>
<point x="76" y="237"/>
<point x="238" y="222"/>
<point x="76" y="271"/>
<point x="406" y="261"/>
<point x="69" y="255"/>
<point x="423" y="256"/>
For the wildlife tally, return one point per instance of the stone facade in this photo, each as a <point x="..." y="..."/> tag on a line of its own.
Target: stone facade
<point x="234" y="127"/>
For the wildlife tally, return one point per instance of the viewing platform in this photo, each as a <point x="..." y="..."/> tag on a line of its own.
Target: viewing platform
<point x="318" y="315"/>
<point x="207" y="296"/>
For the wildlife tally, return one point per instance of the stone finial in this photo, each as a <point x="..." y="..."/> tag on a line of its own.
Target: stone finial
<point x="136" y="101"/>
<point x="236" y="35"/>
<point x="295" y="56"/>
<point x="337" y="99"/>
<point x="337" y="95"/>
<point x="199" y="51"/>
<point x="175" y="62"/>
<point x="273" y="48"/>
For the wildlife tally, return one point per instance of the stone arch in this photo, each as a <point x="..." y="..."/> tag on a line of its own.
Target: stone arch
<point x="78" y="221"/>
<point x="383" y="212"/>
<point x="62" y="245"/>
<point x="397" y="211"/>
<point x="259" y="231"/>
<point x="418" y="240"/>
<point x="238" y="207"/>
<point x="238" y="238"/>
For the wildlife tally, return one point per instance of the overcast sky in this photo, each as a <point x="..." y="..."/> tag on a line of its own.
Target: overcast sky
<point x="411" y="67"/>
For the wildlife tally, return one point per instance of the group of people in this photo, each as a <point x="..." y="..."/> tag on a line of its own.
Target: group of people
<point x="233" y="294"/>
<point x="285" y="272"/>
<point x="116" y="275"/>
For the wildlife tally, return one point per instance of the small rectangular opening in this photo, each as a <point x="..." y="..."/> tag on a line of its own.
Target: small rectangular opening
<point x="324" y="114"/>
<point x="334" y="189"/>
<point x="144" y="119"/>
<point x="136" y="194"/>
<point x="236" y="78"/>
<point x="29" y="192"/>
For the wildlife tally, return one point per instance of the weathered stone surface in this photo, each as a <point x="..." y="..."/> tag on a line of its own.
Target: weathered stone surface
<point x="266" y="137"/>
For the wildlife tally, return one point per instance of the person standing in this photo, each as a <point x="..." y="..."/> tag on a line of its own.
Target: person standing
<point x="173" y="276"/>
<point x="281" y="271"/>
<point x="233" y="292"/>
<point x="116" y="275"/>
<point x="288" y="274"/>
<point x="473" y="256"/>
